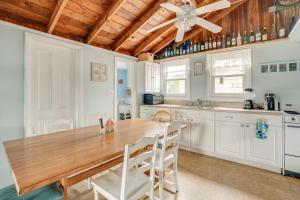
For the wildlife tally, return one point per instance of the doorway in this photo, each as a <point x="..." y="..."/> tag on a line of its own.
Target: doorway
<point x="125" y="95"/>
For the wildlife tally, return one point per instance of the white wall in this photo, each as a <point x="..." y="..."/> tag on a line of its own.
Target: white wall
<point x="97" y="95"/>
<point x="286" y="84"/>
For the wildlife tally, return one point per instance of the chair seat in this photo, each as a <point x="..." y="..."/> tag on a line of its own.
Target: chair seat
<point x="50" y="192"/>
<point x="111" y="184"/>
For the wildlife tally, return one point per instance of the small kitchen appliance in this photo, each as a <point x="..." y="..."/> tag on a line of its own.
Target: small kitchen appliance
<point x="271" y="102"/>
<point x="153" y="99"/>
<point x="249" y="96"/>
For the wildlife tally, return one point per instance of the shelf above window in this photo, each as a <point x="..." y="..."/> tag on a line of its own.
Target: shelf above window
<point x="203" y="53"/>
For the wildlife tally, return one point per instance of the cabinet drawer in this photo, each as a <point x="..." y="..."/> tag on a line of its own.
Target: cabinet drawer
<point x="273" y="120"/>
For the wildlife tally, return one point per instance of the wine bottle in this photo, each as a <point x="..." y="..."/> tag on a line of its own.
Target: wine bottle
<point x="199" y="46"/>
<point x="258" y="35"/>
<point x="214" y="42"/>
<point x="187" y="45"/>
<point x="195" y="47"/>
<point x="171" y="51"/>
<point x="223" y="41"/>
<point x="228" y="43"/>
<point x="180" y="50"/>
<point x="191" y="47"/>
<point x="273" y="32"/>
<point x="233" y="39"/>
<point x="265" y="34"/>
<point x="252" y="36"/>
<point x="281" y="32"/>
<point x="202" y="46"/>
<point x="210" y="43"/>
<point x="219" y="42"/>
<point x="245" y="38"/>
<point x="239" y="39"/>
<point x="183" y="49"/>
<point x="166" y="53"/>
<point x="206" y="44"/>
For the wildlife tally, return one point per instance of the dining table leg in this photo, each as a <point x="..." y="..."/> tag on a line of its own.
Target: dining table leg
<point x="64" y="184"/>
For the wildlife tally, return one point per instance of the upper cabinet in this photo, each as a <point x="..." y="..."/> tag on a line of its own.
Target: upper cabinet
<point x="152" y="77"/>
<point x="295" y="33"/>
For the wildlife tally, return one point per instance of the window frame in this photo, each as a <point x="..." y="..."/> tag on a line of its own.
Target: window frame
<point x="247" y="83"/>
<point x="164" y="66"/>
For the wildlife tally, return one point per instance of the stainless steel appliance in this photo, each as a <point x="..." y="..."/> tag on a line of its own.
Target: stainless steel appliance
<point x="271" y="102"/>
<point x="153" y="99"/>
<point x="292" y="144"/>
<point x="249" y="96"/>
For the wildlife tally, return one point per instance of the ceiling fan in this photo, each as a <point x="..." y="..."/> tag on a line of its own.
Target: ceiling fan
<point x="187" y="17"/>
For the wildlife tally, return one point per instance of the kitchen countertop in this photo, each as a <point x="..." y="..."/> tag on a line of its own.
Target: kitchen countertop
<point x="217" y="109"/>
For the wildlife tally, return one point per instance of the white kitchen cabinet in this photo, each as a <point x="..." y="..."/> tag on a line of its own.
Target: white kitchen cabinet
<point x="202" y="135"/>
<point x="152" y="77"/>
<point x="264" y="151"/>
<point x="230" y="139"/>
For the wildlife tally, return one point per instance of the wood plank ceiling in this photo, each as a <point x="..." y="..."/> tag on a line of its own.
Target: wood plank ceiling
<point x="118" y="25"/>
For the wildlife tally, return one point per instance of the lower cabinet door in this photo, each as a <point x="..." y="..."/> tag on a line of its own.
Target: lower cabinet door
<point x="202" y="135"/>
<point x="185" y="136"/>
<point x="230" y="139"/>
<point x="264" y="151"/>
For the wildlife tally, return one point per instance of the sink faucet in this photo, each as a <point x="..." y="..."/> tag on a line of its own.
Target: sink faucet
<point x="199" y="102"/>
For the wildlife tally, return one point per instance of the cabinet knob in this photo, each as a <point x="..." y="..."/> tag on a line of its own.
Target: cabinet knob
<point x="247" y="126"/>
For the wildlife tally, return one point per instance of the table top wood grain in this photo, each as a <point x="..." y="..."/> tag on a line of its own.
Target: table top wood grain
<point x="41" y="160"/>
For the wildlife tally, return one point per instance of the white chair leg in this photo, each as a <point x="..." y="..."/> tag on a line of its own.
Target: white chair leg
<point x="89" y="182"/>
<point x="175" y="176"/>
<point x="96" y="195"/>
<point x="161" y="186"/>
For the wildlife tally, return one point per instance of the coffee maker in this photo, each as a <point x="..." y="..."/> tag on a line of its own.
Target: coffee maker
<point x="271" y="102"/>
<point x="249" y="96"/>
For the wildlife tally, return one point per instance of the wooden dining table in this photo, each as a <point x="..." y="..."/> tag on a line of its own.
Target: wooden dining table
<point x="71" y="156"/>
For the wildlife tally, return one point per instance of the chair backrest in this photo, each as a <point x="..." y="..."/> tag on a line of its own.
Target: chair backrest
<point x="163" y="116"/>
<point x="59" y="124"/>
<point x="135" y="166"/>
<point x="169" y="143"/>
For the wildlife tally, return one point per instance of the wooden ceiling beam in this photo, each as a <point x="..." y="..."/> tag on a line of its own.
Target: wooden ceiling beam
<point x="58" y="10"/>
<point x="153" y="38"/>
<point x="112" y="10"/>
<point x="196" y="31"/>
<point x="160" y="32"/>
<point x="139" y="23"/>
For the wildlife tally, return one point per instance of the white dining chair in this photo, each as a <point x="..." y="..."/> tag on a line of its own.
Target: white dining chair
<point x="167" y="154"/>
<point x="133" y="183"/>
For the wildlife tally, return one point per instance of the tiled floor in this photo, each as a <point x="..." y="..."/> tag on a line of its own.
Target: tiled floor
<point x="206" y="178"/>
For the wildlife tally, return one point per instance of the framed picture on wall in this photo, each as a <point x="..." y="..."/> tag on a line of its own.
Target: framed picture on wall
<point x="98" y="72"/>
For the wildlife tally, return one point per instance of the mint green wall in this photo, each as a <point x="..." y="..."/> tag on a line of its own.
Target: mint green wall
<point x="97" y="95"/>
<point x="11" y="92"/>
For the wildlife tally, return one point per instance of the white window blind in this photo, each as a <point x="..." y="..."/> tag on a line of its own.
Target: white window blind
<point x="229" y="72"/>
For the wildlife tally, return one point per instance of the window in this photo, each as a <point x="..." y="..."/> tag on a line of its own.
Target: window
<point x="176" y="78"/>
<point x="229" y="74"/>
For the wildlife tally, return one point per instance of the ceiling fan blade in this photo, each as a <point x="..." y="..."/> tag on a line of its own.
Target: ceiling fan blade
<point x="180" y="32"/>
<point x="207" y="25"/>
<point x="211" y="7"/>
<point x="173" y="8"/>
<point x="162" y="25"/>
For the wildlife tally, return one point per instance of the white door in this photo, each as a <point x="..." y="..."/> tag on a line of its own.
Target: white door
<point x="264" y="151"/>
<point x="202" y="135"/>
<point x="230" y="139"/>
<point x="51" y="95"/>
<point x="148" y="77"/>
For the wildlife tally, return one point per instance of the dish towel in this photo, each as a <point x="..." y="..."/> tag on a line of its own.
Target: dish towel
<point x="262" y="128"/>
